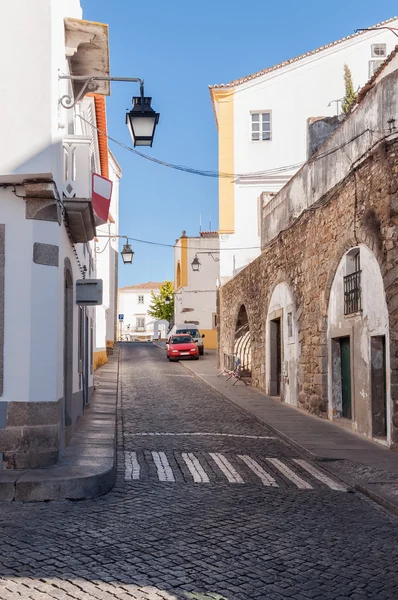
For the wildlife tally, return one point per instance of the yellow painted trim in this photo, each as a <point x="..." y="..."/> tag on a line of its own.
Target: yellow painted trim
<point x="100" y="358"/>
<point x="177" y="283"/>
<point x="110" y="343"/>
<point x="184" y="261"/>
<point x="210" y="340"/>
<point x="226" y="186"/>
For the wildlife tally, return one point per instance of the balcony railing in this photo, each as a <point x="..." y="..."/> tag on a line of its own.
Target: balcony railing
<point x="352" y="293"/>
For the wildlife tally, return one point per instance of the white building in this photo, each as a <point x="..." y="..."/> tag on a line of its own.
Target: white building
<point x="262" y="122"/>
<point x="47" y="225"/>
<point x="133" y="303"/>
<point x="196" y="268"/>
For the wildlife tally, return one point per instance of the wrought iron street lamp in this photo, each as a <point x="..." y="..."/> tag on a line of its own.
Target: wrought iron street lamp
<point x="195" y="264"/>
<point x="141" y="120"/>
<point x="127" y="253"/>
<point x="167" y="300"/>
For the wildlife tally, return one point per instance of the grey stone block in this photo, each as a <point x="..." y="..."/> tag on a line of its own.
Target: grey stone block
<point x="46" y="254"/>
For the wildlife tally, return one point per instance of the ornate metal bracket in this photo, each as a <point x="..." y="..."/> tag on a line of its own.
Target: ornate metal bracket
<point x="68" y="101"/>
<point x="215" y="258"/>
<point x="112" y="238"/>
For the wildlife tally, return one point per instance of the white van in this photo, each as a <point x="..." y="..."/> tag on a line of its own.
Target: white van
<point x="192" y="330"/>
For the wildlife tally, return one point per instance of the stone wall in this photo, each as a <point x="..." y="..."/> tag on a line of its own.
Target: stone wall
<point x="363" y="208"/>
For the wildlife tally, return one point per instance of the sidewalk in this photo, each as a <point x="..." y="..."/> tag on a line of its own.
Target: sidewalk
<point x="365" y="465"/>
<point x="88" y="466"/>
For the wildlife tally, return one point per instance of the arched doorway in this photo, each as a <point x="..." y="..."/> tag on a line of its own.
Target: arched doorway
<point x="68" y="352"/>
<point x="358" y="346"/>
<point x="282" y="347"/>
<point x="242" y="339"/>
<point x="160" y="329"/>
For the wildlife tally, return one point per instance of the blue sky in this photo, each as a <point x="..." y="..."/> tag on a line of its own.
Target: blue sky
<point x="179" y="48"/>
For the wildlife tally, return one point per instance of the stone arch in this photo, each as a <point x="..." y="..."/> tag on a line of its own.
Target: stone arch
<point x="156" y="327"/>
<point x="242" y="338"/>
<point x="68" y="351"/>
<point x="358" y="384"/>
<point x="281" y="344"/>
<point x="178" y="275"/>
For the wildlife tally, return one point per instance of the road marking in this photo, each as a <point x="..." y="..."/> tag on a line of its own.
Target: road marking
<point x="195" y="468"/>
<point x="208" y="434"/>
<point x="164" y="470"/>
<point x="132" y="466"/>
<point x="225" y="466"/>
<point x="333" y="485"/>
<point x="289" y="474"/>
<point x="258" y="470"/>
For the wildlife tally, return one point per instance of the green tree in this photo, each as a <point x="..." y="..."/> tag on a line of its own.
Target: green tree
<point x="162" y="303"/>
<point x="350" y="94"/>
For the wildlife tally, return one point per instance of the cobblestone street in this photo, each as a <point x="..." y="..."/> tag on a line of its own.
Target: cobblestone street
<point x="209" y="504"/>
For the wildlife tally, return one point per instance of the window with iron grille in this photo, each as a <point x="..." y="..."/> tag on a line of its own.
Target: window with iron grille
<point x="352" y="293"/>
<point x="140" y="299"/>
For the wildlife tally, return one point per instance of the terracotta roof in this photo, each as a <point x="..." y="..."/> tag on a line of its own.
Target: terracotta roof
<point x="368" y="86"/>
<point x="285" y="63"/>
<point x="100" y="113"/>
<point x="150" y="285"/>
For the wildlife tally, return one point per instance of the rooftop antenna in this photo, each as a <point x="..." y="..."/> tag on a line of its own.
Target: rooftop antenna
<point x="210" y="223"/>
<point x="200" y="223"/>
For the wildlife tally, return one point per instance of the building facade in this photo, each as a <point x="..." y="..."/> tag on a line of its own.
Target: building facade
<point x="134" y="322"/>
<point x="263" y="139"/>
<point x="196" y="268"/>
<point x="319" y="305"/>
<point x="47" y="227"/>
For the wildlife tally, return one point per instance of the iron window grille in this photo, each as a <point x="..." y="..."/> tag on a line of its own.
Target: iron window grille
<point x="352" y="293"/>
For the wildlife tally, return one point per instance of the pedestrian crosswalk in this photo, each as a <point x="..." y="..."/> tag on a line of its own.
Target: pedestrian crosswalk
<point x="216" y="467"/>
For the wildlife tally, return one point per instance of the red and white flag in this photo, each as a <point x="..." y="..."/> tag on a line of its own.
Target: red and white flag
<point x="101" y="196"/>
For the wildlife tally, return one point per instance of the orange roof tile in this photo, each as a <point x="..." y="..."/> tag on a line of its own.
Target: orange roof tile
<point x="295" y="59"/>
<point x="150" y="285"/>
<point x="100" y="112"/>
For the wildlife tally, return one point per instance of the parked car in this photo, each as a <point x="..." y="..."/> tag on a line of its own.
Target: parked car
<point x="181" y="346"/>
<point x="192" y="330"/>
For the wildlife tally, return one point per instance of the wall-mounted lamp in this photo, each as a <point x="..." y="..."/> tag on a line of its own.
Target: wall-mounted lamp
<point x="141" y="119"/>
<point x="195" y="264"/>
<point x="127" y="253"/>
<point x="167" y="300"/>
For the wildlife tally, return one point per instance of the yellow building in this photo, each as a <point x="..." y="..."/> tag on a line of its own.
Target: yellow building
<point x="196" y="270"/>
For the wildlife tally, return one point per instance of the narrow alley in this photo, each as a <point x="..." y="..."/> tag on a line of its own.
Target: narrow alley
<point x="209" y="504"/>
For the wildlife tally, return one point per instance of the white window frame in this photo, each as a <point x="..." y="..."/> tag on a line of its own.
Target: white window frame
<point x="373" y="67"/>
<point x="141" y="299"/>
<point x="374" y="55"/>
<point x="139" y="320"/>
<point x="260" y="121"/>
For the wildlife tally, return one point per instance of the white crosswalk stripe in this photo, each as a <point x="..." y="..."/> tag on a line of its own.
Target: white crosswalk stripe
<point x="333" y="485"/>
<point x="195" y="468"/>
<point x="197" y="471"/>
<point x="132" y="466"/>
<point x="165" y="472"/>
<point x="225" y="466"/>
<point x="258" y="470"/>
<point x="289" y="474"/>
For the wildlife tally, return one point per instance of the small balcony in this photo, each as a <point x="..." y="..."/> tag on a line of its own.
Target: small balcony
<point x="352" y="293"/>
<point x="76" y="188"/>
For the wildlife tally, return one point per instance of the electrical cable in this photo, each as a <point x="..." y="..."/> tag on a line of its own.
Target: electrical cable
<point x="218" y="174"/>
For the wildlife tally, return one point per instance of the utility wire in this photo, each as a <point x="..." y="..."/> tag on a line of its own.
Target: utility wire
<point x="219" y="174"/>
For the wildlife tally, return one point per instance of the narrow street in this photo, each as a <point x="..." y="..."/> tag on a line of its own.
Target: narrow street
<point x="209" y="504"/>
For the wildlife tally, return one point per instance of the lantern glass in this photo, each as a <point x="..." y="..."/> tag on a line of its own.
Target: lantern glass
<point x="141" y="122"/>
<point x="127" y="254"/>
<point x="195" y="264"/>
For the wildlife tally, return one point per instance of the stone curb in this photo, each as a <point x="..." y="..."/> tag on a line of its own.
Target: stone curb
<point x="350" y="483"/>
<point x="88" y="466"/>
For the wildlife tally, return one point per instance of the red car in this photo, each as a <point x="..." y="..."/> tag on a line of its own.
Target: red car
<point x="181" y="346"/>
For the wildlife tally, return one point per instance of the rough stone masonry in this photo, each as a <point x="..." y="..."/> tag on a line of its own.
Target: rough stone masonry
<point x="363" y="208"/>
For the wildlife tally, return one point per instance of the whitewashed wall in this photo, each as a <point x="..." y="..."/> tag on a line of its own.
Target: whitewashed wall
<point x="292" y="94"/>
